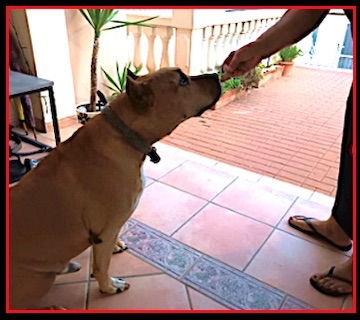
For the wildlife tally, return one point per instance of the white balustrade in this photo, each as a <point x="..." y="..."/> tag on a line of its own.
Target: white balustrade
<point x="198" y="46"/>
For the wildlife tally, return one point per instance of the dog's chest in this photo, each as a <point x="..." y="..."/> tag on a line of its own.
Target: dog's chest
<point x="143" y="182"/>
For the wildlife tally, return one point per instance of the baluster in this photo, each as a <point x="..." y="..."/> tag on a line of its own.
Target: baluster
<point x="255" y="30"/>
<point x="130" y="44"/>
<point x="227" y="42"/>
<point x="144" y="51"/>
<point x="263" y="25"/>
<point x="158" y="49"/>
<point x="182" y="49"/>
<point x="244" y="34"/>
<point x="212" y="46"/>
<point x="150" y="58"/>
<point x="165" y="38"/>
<point x="235" y="36"/>
<point x="205" y="48"/>
<point x="270" y="22"/>
<point x="172" y="48"/>
<point x="220" y="45"/>
<point x="137" y="48"/>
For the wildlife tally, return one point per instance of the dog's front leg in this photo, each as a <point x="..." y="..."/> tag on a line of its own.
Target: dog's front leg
<point x="102" y="251"/>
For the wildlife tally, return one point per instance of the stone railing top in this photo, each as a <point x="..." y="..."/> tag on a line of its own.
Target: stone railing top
<point x="201" y="18"/>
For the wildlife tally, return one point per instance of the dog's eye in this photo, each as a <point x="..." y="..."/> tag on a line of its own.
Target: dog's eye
<point x="184" y="80"/>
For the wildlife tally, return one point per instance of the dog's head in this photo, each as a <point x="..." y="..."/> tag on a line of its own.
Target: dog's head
<point x="165" y="98"/>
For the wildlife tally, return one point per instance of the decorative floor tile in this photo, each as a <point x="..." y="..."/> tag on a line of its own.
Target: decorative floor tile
<point x="231" y="287"/>
<point x="222" y="283"/>
<point x="173" y="257"/>
<point x="292" y="304"/>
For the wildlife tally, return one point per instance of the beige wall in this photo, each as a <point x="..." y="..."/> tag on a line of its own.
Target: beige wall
<point x="51" y="54"/>
<point x="113" y="47"/>
<point x="19" y="24"/>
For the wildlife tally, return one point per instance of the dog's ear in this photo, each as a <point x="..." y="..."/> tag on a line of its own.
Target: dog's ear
<point x="132" y="74"/>
<point x="140" y="94"/>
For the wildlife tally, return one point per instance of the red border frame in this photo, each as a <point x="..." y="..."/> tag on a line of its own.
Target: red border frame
<point x="354" y="298"/>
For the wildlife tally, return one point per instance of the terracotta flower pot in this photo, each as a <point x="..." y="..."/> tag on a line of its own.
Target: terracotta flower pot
<point x="287" y="67"/>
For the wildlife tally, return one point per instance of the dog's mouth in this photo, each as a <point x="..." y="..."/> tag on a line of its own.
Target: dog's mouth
<point x="218" y="89"/>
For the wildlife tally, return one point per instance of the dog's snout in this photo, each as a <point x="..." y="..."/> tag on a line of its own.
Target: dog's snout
<point x="214" y="75"/>
<point x="213" y="79"/>
<point x="206" y="75"/>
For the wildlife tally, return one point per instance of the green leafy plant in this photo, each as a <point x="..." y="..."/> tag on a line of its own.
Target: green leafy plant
<point x="231" y="83"/>
<point x="118" y="84"/>
<point x="249" y="80"/>
<point x="288" y="54"/>
<point x="98" y="20"/>
<point x="252" y="78"/>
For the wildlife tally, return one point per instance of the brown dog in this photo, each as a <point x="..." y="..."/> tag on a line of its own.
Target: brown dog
<point x="84" y="191"/>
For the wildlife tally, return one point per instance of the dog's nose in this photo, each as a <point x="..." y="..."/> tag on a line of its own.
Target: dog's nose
<point x="214" y="76"/>
<point x="206" y="75"/>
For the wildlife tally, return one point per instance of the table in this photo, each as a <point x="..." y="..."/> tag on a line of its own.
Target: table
<point x="22" y="84"/>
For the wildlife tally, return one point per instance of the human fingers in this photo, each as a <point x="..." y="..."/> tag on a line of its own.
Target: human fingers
<point x="228" y="60"/>
<point x="227" y="75"/>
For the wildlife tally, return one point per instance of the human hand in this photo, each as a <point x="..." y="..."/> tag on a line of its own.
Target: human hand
<point x="241" y="61"/>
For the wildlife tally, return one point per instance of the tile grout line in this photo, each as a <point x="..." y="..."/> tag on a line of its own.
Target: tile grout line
<point x="270" y="234"/>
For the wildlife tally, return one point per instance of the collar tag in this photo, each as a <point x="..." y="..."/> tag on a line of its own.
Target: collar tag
<point x="154" y="157"/>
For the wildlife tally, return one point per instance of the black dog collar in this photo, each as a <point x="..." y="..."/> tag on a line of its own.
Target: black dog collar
<point x="130" y="136"/>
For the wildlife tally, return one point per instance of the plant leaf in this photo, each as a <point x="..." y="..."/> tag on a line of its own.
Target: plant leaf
<point x="111" y="88"/>
<point x="113" y="14"/>
<point x="111" y="80"/>
<point x="136" y="23"/>
<point x="139" y="21"/>
<point x="88" y="19"/>
<point x="120" y="77"/>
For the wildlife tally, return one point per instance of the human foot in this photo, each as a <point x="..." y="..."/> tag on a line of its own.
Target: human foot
<point x="327" y="230"/>
<point x="336" y="281"/>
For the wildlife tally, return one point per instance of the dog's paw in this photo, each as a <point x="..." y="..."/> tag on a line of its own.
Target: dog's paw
<point x="119" y="247"/>
<point x="118" y="286"/>
<point x="71" y="267"/>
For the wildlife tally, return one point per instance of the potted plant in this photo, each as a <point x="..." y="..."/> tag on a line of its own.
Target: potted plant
<point x="287" y="56"/>
<point x="99" y="19"/>
<point x="235" y="88"/>
<point x="117" y="85"/>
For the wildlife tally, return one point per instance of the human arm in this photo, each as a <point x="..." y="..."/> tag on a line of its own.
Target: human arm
<point x="293" y="26"/>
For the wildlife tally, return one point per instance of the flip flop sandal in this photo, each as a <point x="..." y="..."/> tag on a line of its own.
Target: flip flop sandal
<point x="314" y="232"/>
<point x="121" y="285"/>
<point x="327" y="291"/>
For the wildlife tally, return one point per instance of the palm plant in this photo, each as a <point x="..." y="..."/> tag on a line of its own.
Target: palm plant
<point x="98" y="19"/>
<point x="118" y="84"/>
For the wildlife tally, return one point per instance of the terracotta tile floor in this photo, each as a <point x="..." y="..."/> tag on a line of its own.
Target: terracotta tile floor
<point x="209" y="236"/>
<point x="289" y="129"/>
